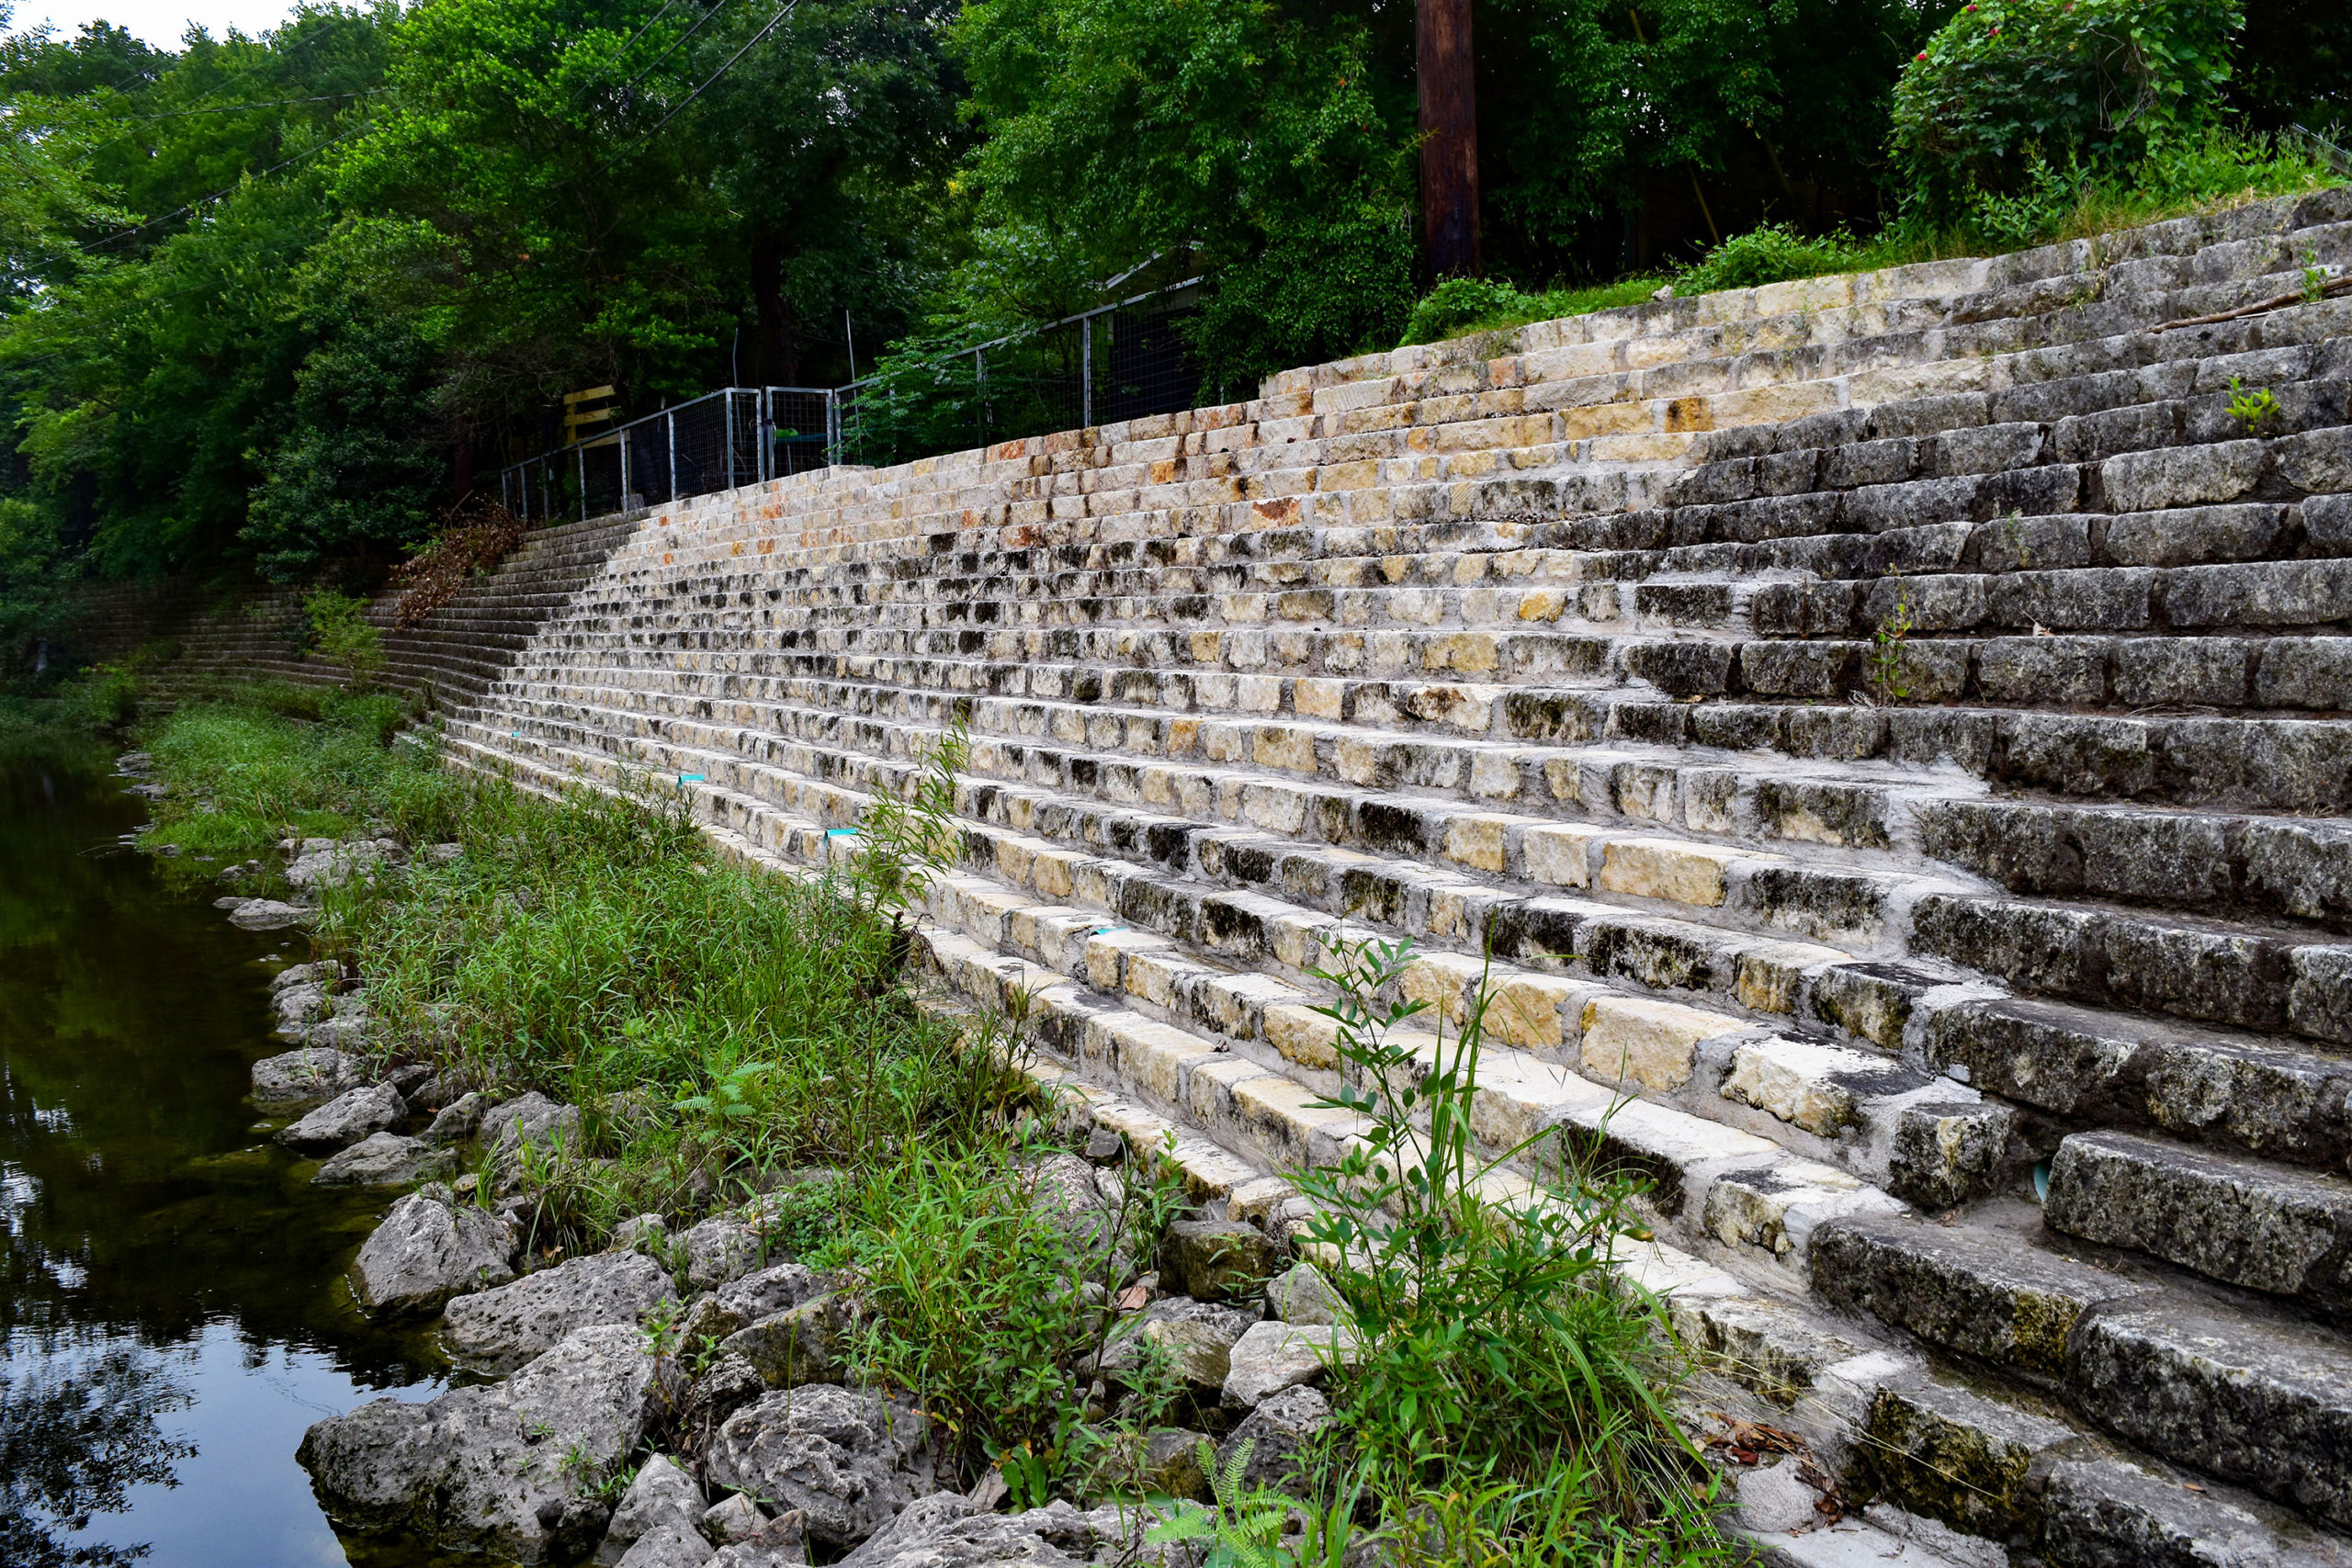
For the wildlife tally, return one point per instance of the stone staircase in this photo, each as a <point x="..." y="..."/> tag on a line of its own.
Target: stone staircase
<point x="206" y="638"/>
<point x="1883" y="741"/>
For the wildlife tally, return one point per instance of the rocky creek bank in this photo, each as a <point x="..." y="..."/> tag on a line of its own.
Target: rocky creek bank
<point x="688" y="1397"/>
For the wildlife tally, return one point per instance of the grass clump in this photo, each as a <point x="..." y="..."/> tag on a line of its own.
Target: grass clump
<point x="732" y="1036"/>
<point x="1507" y="1396"/>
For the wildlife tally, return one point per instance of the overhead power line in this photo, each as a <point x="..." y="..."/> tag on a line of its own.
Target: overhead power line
<point x="261" y="104"/>
<point x="226" y="190"/>
<point x="682" y="38"/>
<point x="622" y="51"/>
<point x="782" y="12"/>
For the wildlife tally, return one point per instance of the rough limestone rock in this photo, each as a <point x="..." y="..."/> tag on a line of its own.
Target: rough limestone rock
<point x="952" y="1531"/>
<point x="338" y="864"/>
<point x="529" y="1118"/>
<point x="735" y="1518"/>
<point x="428" y="1248"/>
<point x="1067" y="1194"/>
<point x="1772" y="1501"/>
<point x="1275" y="1355"/>
<point x="347" y="1028"/>
<point x="384" y="1159"/>
<point x="1196" y="1338"/>
<point x="267" y="915"/>
<point x="662" y="1493"/>
<point x="1303" y="1297"/>
<point x="300" y="1081"/>
<point x="779" y="1542"/>
<point x="491" y="1468"/>
<point x="299" y="1007"/>
<point x="344" y="1119"/>
<point x="720" y="1248"/>
<point x="733" y="1307"/>
<point x="1173" y="1463"/>
<point x="493" y="1330"/>
<point x="640" y="1233"/>
<point x="727" y="1384"/>
<point x="801" y="1345"/>
<point x="1283" y="1433"/>
<point x="1217" y="1260"/>
<point x="457" y="1121"/>
<point x="848" y="1459"/>
<point x="666" y="1546"/>
<point x="321" y="974"/>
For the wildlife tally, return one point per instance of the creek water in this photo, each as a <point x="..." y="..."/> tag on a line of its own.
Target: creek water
<point x="172" y="1308"/>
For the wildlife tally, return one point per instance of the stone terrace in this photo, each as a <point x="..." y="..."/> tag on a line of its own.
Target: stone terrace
<point x="1889" y="732"/>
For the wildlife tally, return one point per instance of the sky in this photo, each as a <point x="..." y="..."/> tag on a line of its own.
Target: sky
<point x="159" y="22"/>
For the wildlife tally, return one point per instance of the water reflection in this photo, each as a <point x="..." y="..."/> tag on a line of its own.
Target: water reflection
<point x="171" y="1307"/>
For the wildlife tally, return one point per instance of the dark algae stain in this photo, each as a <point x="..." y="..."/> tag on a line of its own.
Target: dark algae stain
<point x="172" y="1310"/>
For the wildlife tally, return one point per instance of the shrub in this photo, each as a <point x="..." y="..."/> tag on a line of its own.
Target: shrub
<point x="2094" y="86"/>
<point x="1771" y="253"/>
<point x="342" y="633"/>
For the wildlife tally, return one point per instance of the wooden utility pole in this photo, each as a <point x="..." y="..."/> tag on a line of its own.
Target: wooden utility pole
<point x="1449" y="136"/>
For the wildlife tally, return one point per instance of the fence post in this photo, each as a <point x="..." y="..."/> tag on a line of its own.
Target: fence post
<point x="1086" y="373"/>
<point x="582" y="452"/>
<point x="764" y="401"/>
<point x="727" y="401"/>
<point x="669" y="418"/>
<point x="624" y="435"/>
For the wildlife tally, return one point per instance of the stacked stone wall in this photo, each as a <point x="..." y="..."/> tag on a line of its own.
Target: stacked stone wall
<point x="1883" y="739"/>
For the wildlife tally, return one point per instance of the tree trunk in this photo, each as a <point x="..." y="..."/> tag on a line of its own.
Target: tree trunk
<point x="1450" y="137"/>
<point x="775" y="360"/>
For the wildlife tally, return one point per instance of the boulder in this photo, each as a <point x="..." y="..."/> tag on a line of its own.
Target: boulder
<point x="719" y="1250"/>
<point x="1284" y="1434"/>
<point x="1172" y="1463"/>
<point x="736" y="1518"/>
<point x="1070" y="1194"/>
<point x="662" y="1493"/>
<point x="951" y="1531"/>
<point x="299" y="1007"/>
<point x="667" y="1546"/>
<point x="1275" y="1355"/>
<point x="335" y="865"/>
<point x="493" y="1468"/>
<point x="1196" y="1338"/>
<point x="727" y="1384"/>
<point x="1217" y="1260"/>
<point x="266" y="915"/>
<point x="1773" y="1501"/>
<point x="457" y="1121"/>
<point x="734" y="1307"/>
<point x="1301" y="1295"/>
<point x="323" y="974"/>
<point x="779" y="1542"/>
<point x="801" y="1345"/>
<point x="498" y="1329"/>
<point x="431" y="1247"/>
<point x="640" y="1233"/>
<point x="384" y="1159"/>
<point x="298" y="1080"/>
<point x="530" y="1118"/>
<point x="349" y="1027"/>
<point x="344" y="1119"/>
<point x="848" y="1459"/>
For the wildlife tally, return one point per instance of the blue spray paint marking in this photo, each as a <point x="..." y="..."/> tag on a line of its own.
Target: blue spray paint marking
<point x="841" y="833"/>
<point x="690" y="778"/>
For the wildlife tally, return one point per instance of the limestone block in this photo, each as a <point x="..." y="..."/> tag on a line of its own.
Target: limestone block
<point x="1649" y="1043"/>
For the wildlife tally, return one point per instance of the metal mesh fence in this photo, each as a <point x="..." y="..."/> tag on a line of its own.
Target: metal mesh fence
<point x="1121" y="362"/>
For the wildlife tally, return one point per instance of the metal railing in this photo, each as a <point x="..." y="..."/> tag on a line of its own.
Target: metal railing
<point x="737" y="435"/>
<point x="1120" y="361"/>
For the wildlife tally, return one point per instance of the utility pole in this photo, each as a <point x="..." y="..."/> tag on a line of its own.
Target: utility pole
<point x="1449" y="136"/>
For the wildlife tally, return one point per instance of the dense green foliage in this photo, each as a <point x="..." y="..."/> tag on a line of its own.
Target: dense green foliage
<point x="2007" y="86"/>
<point x="275" y="306"/>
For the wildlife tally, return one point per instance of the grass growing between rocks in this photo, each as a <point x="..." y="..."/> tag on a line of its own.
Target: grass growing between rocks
<point x="732" y="1035"/>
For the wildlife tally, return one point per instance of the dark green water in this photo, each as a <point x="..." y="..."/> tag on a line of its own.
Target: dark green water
<point x="172" y="1312"/>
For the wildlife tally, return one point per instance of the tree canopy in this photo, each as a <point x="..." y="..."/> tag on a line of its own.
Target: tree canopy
<point x="275" y="305"/>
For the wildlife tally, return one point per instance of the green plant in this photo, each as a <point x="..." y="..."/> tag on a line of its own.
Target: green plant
<point x="1772" y="252"/>
<point x="904" y="841"/>
<point x="2316" y="279"/>
<point x="2013" y="535"/>
<point x="1494" y="1344"/>
<point x="1458" y="304"/>
<point x="2251" y="409"/>
<point x="2007" y="87"/>
<point x="342" y="633"/>
<point x="1888" y="641"/>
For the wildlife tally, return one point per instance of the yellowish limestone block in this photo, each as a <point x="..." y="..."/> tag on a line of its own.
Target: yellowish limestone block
<point x="1558" y="854"/>
<point x="1480" y="842"/>
<point x="1444" y="981"/>
<point x="1769" y="975"/>
<point x="1667" y="868"/>
<point x="1302" y="1035"/>
<point x="1631" y="1039"/>
<point x="1527" y="1009"/>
